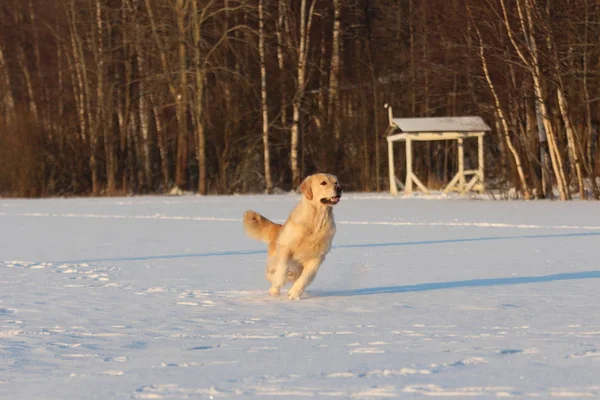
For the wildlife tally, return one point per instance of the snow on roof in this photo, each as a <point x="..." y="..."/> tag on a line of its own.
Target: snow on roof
<point x="441" y="124"/>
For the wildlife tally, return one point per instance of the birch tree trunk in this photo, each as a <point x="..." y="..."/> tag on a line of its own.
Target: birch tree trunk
<point x="143" y="106"/>
<point x="334" y="74"/>
<point x="8" y="101"/>
<point x="101" y="121"/>
<point x="571" y="140"/>
<point x="124" y="115"/>
<point x="173" y="91"/>
<point x="572" y="143"/>
<point x="303" y="47"/>
<point x="320" y="117"/>
<point x="532" y="63"/>
<point x="502" y="117"/>
<point x="57" y="127"/>
<point x="376" y="138"/>
<point x="199" y="75"/>
<point x="162" y="143"/>
<point x="42" y="86"/>
<point x="282" y="33"/>
<point x="413" y="72"/>
<point x="263" y="96"/>
<point x="19" y="19"/>
<point x="181" y="10"/>
<point x="85" y="108"/>
<point x="588" y="108"/>
<point x="28" y="83"/>
<point x="555" y="155"/>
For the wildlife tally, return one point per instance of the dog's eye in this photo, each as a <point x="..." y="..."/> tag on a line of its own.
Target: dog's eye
<point x="323" y="183"/>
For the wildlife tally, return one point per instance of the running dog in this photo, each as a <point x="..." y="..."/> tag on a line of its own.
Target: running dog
<point x="297" y="248"/>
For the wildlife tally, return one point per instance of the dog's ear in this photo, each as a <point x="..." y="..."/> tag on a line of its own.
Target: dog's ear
<point x="306" y="188"/>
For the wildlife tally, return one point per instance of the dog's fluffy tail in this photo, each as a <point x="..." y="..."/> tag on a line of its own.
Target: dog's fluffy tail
<point x="260" y="228"/>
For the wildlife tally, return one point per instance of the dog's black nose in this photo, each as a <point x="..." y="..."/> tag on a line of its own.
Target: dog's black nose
<point x="338" y="189"/>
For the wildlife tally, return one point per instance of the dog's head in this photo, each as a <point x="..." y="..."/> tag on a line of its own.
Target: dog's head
<point x="322" y="189"/>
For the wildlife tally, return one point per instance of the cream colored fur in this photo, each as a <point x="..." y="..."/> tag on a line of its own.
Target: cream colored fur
<point x="297" y="248"/>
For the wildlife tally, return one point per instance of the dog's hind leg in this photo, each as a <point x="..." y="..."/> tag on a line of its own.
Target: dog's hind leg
<point x="294" y="271"/>
<point x="270" y="269"/>
<point x="279" y="269"/>
<point x="271" y="261"/>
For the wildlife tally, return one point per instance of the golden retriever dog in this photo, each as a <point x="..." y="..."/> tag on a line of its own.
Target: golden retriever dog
<point x="297" y="248"/>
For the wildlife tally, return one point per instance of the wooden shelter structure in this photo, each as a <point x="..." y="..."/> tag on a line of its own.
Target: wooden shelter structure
<point x="441" y="128"/>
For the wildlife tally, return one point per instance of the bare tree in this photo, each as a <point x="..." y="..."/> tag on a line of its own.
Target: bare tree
<point x="334" y="72"/>
<point x="263" y="96"/>
<point x="101" y="116"/>
<point x="282" y="31"/>
<point x="84" y="92"/>
<point x="181" y="14"/>
<point x="501" y="115"/>
<point x="143" y="103"/>
<point x="172" y="89"/>
<point x="533" y="64"/>
<point x="8" y="101"/>
<point x="303" y="47"/>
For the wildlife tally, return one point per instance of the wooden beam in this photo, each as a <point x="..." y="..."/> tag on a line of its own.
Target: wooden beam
<point x="390" y="118"/>
<point x="461" y="163"/>
<point x="428" y="136"/>
<point x="392" y="174"/>
<point x="481" y="163"/>
<point x="452" y="183"/>
<point x="408" y="187"/>
<point x="474" y="180"/>
<point x="399" y="184"/>
<point x="419" y="183"/>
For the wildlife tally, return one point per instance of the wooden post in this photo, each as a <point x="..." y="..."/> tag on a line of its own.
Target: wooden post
<point x="481" y="163"/>
<point x="409" y="173"/>
<point x="392" y="174"/>
<point x="461" y="165"/>
<point x="389" y="108"/>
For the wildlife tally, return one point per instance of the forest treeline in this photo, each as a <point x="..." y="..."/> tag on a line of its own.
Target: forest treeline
<point x="109" y="97"/>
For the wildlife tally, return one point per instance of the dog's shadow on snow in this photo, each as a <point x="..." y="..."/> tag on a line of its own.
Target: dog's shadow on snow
<point x="473" y="283"/>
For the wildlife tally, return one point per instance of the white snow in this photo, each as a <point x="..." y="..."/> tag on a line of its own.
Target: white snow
<point x="164" y="298"/>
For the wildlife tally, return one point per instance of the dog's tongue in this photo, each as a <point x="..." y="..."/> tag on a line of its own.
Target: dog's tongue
<point x="335" y="199"/>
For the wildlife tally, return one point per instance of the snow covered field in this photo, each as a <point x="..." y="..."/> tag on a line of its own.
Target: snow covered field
<point x="164" y="297"/>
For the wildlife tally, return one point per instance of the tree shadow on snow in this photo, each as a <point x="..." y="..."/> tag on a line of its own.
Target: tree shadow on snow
<point x="473" y="283"/>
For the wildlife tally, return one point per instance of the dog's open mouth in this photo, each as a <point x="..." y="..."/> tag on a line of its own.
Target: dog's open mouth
<point x="331" y="200"/>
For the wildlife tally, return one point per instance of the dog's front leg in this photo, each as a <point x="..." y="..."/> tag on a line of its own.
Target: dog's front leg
<point x="308" y="275"/>
<point x="279" y="276"/>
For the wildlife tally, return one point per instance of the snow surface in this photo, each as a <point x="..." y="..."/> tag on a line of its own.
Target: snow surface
<point x="164" y="297"/>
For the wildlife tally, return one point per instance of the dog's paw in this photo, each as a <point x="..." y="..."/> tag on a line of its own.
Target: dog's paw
<point x="274" y="291"/>
<point x="294" y="294"/>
